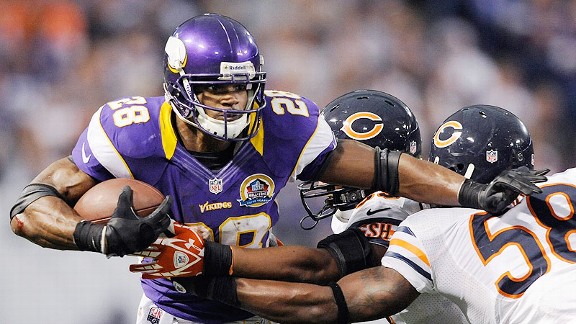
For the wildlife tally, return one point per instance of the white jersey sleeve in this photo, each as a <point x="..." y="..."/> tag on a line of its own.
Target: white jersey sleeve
<point x="507" y="269"/>
<point x="378" y="217"/>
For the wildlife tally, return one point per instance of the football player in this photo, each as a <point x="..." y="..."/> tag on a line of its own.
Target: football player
<point x="220" y="149"/>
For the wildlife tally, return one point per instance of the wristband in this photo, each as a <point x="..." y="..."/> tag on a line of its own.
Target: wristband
<point x="343" y="315"/>
<point x="217" y="259"/>
<point x="350" y="249"/>
<point x="386" y="171"/>
<point x="89" y="236"/>
<point x="468" y="194"/>
<point x="222" y="289"/>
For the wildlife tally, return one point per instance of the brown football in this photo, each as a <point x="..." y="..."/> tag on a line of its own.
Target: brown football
<point x="99" y="202"/>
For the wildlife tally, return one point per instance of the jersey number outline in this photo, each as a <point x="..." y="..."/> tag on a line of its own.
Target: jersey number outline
<point x="546" y="208"/>
<point x="129" y="111"/>
<point x="246" y="231"/>
<point x="283" y="102"/>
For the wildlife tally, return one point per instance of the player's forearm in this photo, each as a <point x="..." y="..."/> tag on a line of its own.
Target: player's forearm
<point x="370" y="294"/>
<point x="287" y="302"/>
<point x="376" y="293"/>
<point x="48" y="222"/>
<point x="287" y="263"/>
<point x="427" y="182"/>
<point x="419" y="180"/>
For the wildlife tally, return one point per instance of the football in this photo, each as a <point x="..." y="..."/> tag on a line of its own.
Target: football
<point x="99" y="202"/>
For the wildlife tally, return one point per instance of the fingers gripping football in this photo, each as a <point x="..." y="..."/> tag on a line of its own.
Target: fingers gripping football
<point x="126" y="232"/>
<point x="172" y="257"/>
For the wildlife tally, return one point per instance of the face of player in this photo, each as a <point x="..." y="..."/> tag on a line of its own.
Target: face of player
<point x="224" y="96"/>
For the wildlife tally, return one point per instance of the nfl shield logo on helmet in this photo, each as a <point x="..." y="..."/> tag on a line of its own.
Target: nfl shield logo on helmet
<point x="492" y="156"/>
<point x="413" y="147"/>
<point x="215" y="185"/>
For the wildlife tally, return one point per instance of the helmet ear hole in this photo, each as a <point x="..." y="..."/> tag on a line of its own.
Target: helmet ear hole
<point x="459" y="167"/>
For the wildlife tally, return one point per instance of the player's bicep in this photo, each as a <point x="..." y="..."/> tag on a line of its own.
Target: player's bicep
<point x="66" y="178"/>
<point x="376" y="292"/>
<point x="348" y="165"/>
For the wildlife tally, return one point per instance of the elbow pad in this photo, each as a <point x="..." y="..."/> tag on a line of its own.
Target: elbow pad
<point x="351" y="249"/>
<point x="386" y="171"/>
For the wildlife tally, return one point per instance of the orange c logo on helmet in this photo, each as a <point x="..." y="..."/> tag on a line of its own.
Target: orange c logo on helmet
<point x="347" y="126"/>
<point x="457" y="133"/>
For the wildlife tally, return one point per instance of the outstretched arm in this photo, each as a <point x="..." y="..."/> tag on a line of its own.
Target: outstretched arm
<point x="369" y="294"/>
<point x="404" y="175"/>
<point x="418" y="179"/>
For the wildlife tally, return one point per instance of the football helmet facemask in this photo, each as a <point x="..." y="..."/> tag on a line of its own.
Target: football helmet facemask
<point x="372" y="117"/>
<point x="481" y="141"/>
<point x="214" y="50"/>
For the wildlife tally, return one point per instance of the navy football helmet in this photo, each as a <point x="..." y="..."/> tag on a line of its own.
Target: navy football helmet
<point x="372" y="117"/>
<point x="211" y="50"/>
<point x="481" y="141"/>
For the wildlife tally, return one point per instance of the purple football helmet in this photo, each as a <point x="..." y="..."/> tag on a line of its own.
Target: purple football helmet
<point x="211" y="50"/>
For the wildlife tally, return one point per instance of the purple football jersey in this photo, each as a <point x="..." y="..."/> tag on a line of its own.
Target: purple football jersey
<point x="134" y="138"/>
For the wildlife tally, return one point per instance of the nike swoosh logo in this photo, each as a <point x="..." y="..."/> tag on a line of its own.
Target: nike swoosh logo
<point x="372" y="212"/>
<point x="85" y="158"/>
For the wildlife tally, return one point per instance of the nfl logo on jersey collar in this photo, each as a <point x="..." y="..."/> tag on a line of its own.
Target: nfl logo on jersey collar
<point x="215" y="185"/>
<point x="256" y="190"/>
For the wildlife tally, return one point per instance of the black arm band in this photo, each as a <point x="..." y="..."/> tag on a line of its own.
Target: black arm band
<point x="222" y="289"/>
<point x="386" y="171"/>
<point x="217" y="259"/>
<point x="468" y="194"/>
<point x="31" y="193"/>
<point x="88" y="236"/>
<point x="351" y="249"/>
<point x="343" y="315"/>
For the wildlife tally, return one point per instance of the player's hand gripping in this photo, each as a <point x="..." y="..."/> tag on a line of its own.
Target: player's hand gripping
<point x="126" y="232"/>
<point x="181" y="255"/>
<point x="502" y="191"/>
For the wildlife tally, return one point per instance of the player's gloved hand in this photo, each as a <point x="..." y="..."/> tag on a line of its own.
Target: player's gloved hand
<point x="181" y="255"/>
<point x="184" y="254"/>
<point x="126" y="232"/>
<point x="495" y="196"/>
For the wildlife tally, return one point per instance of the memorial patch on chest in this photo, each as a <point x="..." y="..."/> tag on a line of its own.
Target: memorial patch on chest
<point x="256" y="190"/>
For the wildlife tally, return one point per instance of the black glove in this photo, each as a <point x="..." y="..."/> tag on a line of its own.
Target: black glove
<point x="126" y="232"/>
<point x="502" y="191"/>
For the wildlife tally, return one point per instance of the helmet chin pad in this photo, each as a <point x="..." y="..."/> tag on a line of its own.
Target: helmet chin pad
<point x="225" y="128"/>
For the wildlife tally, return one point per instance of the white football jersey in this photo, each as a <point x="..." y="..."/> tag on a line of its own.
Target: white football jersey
<point x="516" y="268"/>
<point x="378" y="216"/>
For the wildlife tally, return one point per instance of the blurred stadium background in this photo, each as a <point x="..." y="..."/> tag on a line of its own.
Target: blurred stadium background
<point x="60" y="60"/>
